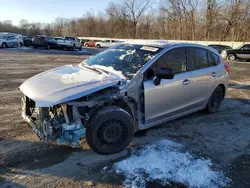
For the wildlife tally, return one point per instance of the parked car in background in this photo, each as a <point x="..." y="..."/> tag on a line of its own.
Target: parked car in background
<point x="70" y="43"/>
<point x="83" y="41"/>
<point x="241" y="53"/>
<point x="124" y="89"/>
<point x="106" y="43"/>
<point x="27" y="41"/>
<point x="8" y="41"/>
<point x="219" y="47"/>
<point x="91" y="43"/>
<point x="44" y="41"/>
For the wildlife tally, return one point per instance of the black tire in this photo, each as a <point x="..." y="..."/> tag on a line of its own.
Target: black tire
<point x="48" y="47"/>
<point x="231" y="57"/>
<point x="35" y="47"/>
<point x="98" y="46"/>
<point x="110" y="130"/>
<point x="215" y="100"/>
<point x="80" y="49"/>
<point x="4" y="45"/>
<point x="73" y="48"/>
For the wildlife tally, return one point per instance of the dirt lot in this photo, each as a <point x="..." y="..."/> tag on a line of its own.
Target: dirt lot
<point x="223" y="137"/>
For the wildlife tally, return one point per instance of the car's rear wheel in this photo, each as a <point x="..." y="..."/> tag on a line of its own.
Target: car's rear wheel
<point x="110" y="130"/>
<point x="215" y="100"/>
<point x="231" y="57"/>
<point x="4" y="45"/>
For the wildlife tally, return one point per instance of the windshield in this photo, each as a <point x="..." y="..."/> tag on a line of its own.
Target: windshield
<point x="126" y="58"/>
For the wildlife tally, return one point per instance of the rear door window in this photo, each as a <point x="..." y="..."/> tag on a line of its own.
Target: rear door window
<point x="197" y="58"/>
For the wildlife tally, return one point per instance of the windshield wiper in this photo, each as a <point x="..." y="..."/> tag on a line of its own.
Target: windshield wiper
<point x="92" y="68"/>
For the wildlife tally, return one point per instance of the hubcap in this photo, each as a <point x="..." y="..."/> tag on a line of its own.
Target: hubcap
<point x="232" y="58"/>
<point x="111" y="132"/>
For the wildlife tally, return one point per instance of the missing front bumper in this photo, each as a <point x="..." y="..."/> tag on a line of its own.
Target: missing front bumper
<point x="49" y="127"/>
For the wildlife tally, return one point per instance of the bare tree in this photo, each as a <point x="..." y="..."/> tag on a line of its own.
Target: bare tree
<point x="211" y="17"/>
<point x="233" y="13"/>
<point x="135" y="10"/>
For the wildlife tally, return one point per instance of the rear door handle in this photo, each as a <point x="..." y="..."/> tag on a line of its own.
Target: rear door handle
<point x="213" y="74"/>
<point x="186" y="82"/>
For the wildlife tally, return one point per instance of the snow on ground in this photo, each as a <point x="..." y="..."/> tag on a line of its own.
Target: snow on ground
<point x="166" y="161"/>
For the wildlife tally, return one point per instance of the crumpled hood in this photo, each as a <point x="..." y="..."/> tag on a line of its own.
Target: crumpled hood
<point x="65" y="83"/>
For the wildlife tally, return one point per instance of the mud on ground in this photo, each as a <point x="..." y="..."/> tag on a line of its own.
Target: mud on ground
<point x="223" y="137"/>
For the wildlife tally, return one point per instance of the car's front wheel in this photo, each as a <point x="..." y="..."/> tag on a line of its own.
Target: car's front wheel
<point x="4" y="45"/>
<point x="110" y="130"/>
<point x="231" y="57"/>
<point x="215" y="100"/>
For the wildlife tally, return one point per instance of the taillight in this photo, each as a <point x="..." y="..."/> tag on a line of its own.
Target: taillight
<point x="227" y="67"/>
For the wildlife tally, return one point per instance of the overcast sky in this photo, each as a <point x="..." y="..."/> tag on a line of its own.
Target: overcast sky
<point x="48" y="10"/>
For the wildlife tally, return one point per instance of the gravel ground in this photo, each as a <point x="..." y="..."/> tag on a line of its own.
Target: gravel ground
<point x="25" y="162"/>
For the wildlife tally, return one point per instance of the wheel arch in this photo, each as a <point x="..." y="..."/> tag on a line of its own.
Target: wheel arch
<point x="120" y="102"/>
<point x="232" y="53"/>
<point x="5" y="44"/>
<point x="223" y="89"/>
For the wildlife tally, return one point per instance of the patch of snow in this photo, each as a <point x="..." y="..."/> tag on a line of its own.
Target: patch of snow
<point x="76" y="75"/>
<point x="164" y="161"/>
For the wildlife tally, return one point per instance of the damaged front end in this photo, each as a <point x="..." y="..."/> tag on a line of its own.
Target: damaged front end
<point x="66" y="123"/>
<point x="57" y="123"/>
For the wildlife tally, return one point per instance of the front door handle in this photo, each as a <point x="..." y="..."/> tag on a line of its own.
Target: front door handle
<point x="213" y="74"/>
<point x="186" y="82"/>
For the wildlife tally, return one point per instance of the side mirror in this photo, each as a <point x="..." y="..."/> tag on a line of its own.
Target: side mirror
<point x="164" y="73"/>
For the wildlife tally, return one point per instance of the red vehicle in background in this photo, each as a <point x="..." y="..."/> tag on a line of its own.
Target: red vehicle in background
<point x="91" y="43"/>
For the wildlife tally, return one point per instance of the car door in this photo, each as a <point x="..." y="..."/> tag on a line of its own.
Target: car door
<point x="113" y="42"/>
<point x="204" y="76"/>
<point x="10" y="41"/>
<point x="172" y="96"/>
<point x="244" y="52"/>
<point x="106" y="43"/>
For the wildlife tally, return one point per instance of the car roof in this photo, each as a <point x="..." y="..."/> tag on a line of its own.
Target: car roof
<point x="169" y="44"/>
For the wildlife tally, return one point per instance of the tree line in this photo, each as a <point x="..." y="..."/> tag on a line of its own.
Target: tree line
<point x="224" y="20"/>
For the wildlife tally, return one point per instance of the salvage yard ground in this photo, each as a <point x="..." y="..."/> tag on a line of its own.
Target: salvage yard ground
<point x="198" y="150"/>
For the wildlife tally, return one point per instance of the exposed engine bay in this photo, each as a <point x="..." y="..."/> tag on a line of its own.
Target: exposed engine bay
<point x="54" y="123"/>
<point x="66" y="123"/>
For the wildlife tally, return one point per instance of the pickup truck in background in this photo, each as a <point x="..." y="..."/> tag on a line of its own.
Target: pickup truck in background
<point x="70" y="43"/>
